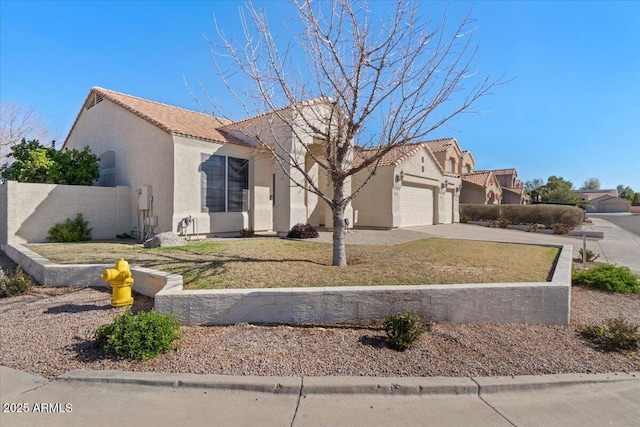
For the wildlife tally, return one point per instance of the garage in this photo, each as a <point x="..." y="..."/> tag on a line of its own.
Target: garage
<point x="609" y="204"/>
<point x="416" y="205"/>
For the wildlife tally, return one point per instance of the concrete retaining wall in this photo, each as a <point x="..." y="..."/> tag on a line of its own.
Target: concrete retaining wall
<point x="543" y="302"/>
<point x="28" y="211"/>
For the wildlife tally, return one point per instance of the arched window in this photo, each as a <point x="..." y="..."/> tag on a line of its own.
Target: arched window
<point x="107" y="169"/>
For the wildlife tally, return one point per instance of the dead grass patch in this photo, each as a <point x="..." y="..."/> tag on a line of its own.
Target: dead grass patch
<point x="275" y="263"/>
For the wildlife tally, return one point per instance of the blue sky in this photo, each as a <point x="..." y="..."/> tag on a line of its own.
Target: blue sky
<point x="572" y="110"/>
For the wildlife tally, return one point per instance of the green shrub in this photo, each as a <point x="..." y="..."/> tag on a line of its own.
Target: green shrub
<point x="591" y="256"/>
<point x="70" y="231"/>
<point x="15" y="283"/>
<point x="139" y="336"/>
<point x="247" y="232"/>
<point x="615" y="335"/>
<point x="402" y="330"/>
<point x="609" y="278"/>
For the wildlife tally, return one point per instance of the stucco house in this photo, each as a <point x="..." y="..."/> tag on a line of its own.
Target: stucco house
<point x="450" y="157"/>
<point x="409" y="188"/>
<point x="513" y="191"/>
<point x="184" y="164"/>
<point x="476" y="188"/>
<point x="480" y="188"/>
<point x="604" y="201"/>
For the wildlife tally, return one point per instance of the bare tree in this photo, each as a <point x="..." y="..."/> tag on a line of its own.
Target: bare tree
<point x="350" y="78"/>
<point x="18" y="121"/>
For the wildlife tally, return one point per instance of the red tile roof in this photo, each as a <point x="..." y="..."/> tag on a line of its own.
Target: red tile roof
<point x="440" y="145"/>
<point x="397" y="155"/>
<point x="478" y="178"/>
<point x="510" y="171"/>
<point x="394" y="157"/>
<point x="173" y="120"/>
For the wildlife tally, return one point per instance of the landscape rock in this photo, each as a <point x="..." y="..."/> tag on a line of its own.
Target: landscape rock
<point x="165" y="240"/>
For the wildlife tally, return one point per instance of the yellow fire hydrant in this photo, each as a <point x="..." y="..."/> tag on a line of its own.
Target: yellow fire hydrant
<point x="121" y="283"/>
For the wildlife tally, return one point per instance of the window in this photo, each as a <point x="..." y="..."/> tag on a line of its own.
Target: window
<point x="451" y="165"/>
<point x="107" y="169"/>
<point x="224" y="184"/>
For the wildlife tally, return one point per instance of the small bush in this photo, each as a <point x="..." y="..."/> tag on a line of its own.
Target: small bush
<point x="504" y="223"/>
<point x="402" y="330"/>
<point x="615" y="335"/>
<point x="140" y="336"/>
<point x="123" y="236"/>
<point x="560" y="228"/>
<point x="303" y="231"/>
<point x="247" y="232"/>
<point x="70" y="231"/>
<point x="591" y="256"/>
<point x="532" y="227"/>
<point x="15" y="283"/>
<point x="609" y="278"/>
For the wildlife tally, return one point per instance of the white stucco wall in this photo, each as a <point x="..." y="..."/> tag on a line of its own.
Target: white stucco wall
<point x="32" y="209"/>
<point x="187" y="184"/>
<point x="144" y="155"/>
<point x="386" y="202"/>
<point x="293" y="204"/>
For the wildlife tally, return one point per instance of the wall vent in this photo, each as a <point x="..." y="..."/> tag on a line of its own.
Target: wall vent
<point x="95" y="99"/>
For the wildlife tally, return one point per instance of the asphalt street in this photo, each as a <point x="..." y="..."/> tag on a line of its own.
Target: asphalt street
<point x="628" y="222"/>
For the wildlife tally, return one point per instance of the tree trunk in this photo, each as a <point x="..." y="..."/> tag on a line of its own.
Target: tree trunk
<point x="339" y="252"/>
<point x="339" y="229"/>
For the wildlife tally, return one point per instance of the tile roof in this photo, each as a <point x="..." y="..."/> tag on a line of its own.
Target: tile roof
<point x="477" y="178"/>
<point x="397" y="155"/>
<point x="520" y="191"/>
<point x="173" y="120"/>
<point x="440" y="145"/>
<point x="609" y="197"/>
<point x="394" y="157"/>
<point x="594" y="194"/>
<point x="511" y="171"/>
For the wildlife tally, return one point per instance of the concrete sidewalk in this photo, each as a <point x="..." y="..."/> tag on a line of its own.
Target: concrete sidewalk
<point x="616" y="247"/>
<point x="108" y="398"/>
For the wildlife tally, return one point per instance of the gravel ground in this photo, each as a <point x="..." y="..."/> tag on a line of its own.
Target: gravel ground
<point x="45" y="332"/>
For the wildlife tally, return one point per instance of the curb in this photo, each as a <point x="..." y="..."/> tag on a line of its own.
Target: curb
<point x="277" y="385"/>
<point x="402" y="386"/>
<point x="489" y="385"/>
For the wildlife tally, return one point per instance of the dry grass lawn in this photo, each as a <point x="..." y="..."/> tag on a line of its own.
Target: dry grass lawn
<point x="273" y="263"/>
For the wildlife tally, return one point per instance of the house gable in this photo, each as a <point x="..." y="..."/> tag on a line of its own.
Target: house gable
<point x="170" y="119"/>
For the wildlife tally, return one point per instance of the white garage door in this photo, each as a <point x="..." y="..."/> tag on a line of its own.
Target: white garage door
<point x="416" y="206"/>
<point x="448" y="207"/>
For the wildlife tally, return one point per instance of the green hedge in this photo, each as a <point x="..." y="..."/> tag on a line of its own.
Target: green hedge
<point x="546" y="215"/>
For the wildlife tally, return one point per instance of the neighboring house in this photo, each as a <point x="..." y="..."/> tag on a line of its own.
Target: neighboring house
<point x="589" y="195"/>
<point x="513" y="191"/>
<point x="409" y="188"/>
<point x="450" y="157"/>
<point x="604" y="201"/>
<point x="609" y="204"/>
<point x="181" y="164"/>
<point x="480" y="188"/>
